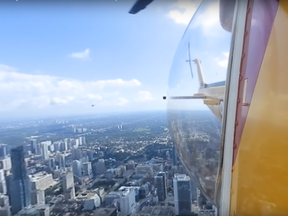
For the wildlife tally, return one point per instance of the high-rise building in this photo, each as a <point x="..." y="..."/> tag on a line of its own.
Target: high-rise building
<point x="175" y="156"/>
<point x="37" y="197"/>
<point x="44" y="150"/>
<point x="99" y="167"/>
<point x="182" y="194"/>
<point x="77" y="168"/>
<point x="63" y="146"/>
<point x="3" y="186"/>
<point x="87" y="168"/>
<point x="20" y="184"/>
<point x="56" y="146"/>
<point x="41" y="181"/>
<point x="127" y="201"/>
<point x="161" y="185"/>
<point x="5" y="163"/>
<point x="33" y="146"/>
<point x="52" y="163"/>
<point x="90" y="154"/>
<point x="4" y="200"/>
<point x="51" y="148"/>
<point x="8" y="179"/>
<point x="67" y="144"/>
<point x="4" y="205"/>
<point x="61" y="161"/>
<point x="76" y="153"/>
<point x="82" y="140"/>
<point x="3" y="150"/>
<point x="68" y="185"/>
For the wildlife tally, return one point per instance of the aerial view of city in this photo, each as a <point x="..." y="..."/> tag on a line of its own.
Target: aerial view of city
<point x="99" y="165"/>
<point x="84" y="129"/>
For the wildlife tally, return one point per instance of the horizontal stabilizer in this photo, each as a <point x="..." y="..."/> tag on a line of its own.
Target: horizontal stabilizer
<point x="186" y="97"/>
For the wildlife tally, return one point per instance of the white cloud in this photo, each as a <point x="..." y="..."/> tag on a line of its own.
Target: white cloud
<point x="223" y="62"/>
<point x="208" y="19"/>
<point x="145" y="96"/>
<point x="226" y="54"/>
<point x="19" y="91"/>
<point x="184" y="12"/>
<point x="6" y="68"/>
<point x="116" y="83"/>
<point x="57" y="100"/>
<point x="122" y="101"/>
<point x="81" y="55"/>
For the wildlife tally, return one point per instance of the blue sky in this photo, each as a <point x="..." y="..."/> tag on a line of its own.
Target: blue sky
<point x="210" y="44"/>
<point x="60" y="57"/>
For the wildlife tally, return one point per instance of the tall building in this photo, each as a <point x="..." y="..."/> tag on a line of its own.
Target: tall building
<point x="182" y="194"/>
<point x="68" y="185"/>
<point x="4" y="200"/>
<point x="3" y="186"/>
<point x="44" y="150"/>
<point x="4" y="205"/>
<point x="87" y="168"/>
<point x="56" y="146"/>
<point x="37" y="197"/>
<point x="34" y="147"/>
<point x="61" y="161"/>
<point x="77" y="168"/>
<point x="161" y="185"/>
<point x="82" y="140"/>
<point x="5" y="163"/>
<point x="174" y="156"/>
<point x="20" y="184"/>
<point x="41" y="181"/>
<point x="99" y="167"/>
<point x="3" y="150"/>
<point x="127" y="201"/>
<point x="90" y="154"/>
<point x="63" y="146"/>
<point x="76" y="153"/>
<point x="51" y="163"/>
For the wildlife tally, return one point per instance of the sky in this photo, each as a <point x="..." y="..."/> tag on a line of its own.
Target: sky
<point x="61" y="57"/>
<point x="207" y="41"/>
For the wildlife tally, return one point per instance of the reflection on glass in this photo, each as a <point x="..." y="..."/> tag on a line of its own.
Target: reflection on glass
<point x="196" y="97"/>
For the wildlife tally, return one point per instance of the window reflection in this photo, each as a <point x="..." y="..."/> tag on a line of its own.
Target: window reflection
<point x="196" y="96"/>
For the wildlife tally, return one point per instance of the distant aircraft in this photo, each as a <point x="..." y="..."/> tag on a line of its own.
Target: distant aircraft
<point x="252" y="160"/>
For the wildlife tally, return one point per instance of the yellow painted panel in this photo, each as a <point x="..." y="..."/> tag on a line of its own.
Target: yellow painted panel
<point x="260" y="175"/>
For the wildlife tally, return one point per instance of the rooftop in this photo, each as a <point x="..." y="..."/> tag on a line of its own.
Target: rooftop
<point x="39" y="175"/>
<point x="104" y="211"/>
<point x="157" y="211"/>
<point x="181" y="177"/>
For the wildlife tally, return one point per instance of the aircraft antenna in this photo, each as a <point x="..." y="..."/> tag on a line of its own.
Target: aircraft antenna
<point x="189" y="60"/>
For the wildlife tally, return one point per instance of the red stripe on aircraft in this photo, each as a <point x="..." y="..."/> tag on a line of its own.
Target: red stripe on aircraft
<point x="260" y="18"/>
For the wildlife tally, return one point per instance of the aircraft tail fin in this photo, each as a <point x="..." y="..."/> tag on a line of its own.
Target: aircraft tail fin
<point x="200" y="74"/>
